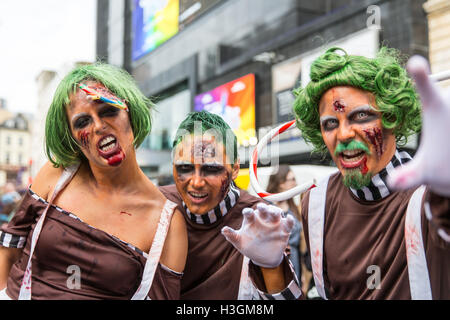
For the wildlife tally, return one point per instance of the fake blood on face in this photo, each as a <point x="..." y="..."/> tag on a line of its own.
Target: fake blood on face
<point x="84" y="139"/>
<point x="225" y="185"/>
<point x="339" y="106"/>
<point x="203" y="150"/>
<point x="364" y="168"/>
<point x="376" y="138"/>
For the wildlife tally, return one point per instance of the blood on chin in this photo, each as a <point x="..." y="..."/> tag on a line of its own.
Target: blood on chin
<point x="356" y="165"/>
<point x="356" y="178"/>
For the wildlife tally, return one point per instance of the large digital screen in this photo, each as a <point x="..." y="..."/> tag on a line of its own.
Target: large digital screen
<point x="154" y="22"/>
<point x="235" y="103"/>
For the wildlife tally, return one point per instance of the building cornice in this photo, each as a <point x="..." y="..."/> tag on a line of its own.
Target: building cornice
<point x="431" y="6"/>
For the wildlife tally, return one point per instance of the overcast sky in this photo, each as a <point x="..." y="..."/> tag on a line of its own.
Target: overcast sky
<point x="38" y="35"/>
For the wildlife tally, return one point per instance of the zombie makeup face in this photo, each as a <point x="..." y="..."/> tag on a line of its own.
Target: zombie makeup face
<point x="201" y="172"/>
<point x="353" y="133"/>
<point x="103" y="131"/>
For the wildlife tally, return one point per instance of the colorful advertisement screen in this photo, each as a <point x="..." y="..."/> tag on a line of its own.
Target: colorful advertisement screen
<point x="154" y="22"/>
<point x="235" y="103"/>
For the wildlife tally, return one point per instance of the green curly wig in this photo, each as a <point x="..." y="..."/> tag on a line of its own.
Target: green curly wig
<point x="61" y="148"/>
<point x="383" y="76"/>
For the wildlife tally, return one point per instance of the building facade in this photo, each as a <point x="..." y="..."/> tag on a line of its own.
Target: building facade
<point x="439" y="27"/>
<point x="217" y="43"/>
<point x="15" y="150"/>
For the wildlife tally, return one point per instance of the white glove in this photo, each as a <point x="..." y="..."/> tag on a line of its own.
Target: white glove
<point x="431" y="165"/>
<point x="263" y="236"/>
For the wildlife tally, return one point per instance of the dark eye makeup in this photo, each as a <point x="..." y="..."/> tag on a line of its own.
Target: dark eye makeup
<point x="81" y="122"/>
<point x="362" y="114"/>
<point x="108" y="111"/>
<point x="329" y="123"/>
<point x="205" y="170"/>
<point x="184" y="168"/>
<point x="84" y="120"/>
<point x="212" y="169"/>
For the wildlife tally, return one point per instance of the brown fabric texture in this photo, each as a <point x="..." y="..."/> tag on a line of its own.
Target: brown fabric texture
<point x="109" y="268"/>
<point x="213" y="266"/>
<point x="359" y="234"/>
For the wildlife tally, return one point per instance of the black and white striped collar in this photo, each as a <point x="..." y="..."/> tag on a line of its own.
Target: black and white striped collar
<point x="378" y="187"/>
<point x="219" y="211"/>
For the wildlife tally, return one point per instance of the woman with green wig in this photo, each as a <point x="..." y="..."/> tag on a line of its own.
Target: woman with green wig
<point x="92" y="225"/>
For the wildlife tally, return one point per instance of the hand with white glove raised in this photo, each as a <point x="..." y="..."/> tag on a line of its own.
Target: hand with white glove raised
<point x="431" y="165"/>
<point x="263" y="236"/>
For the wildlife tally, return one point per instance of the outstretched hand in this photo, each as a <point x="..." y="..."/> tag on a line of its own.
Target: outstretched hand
<point x="430" y="166"/>
<point x="263" y="236"/>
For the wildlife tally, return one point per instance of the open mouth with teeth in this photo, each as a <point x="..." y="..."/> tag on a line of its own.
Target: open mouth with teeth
<point x="352" y="159"/>
<point x="107" y="144"/>
<point x="109" y="148"/>
<point x="198" y="197"/>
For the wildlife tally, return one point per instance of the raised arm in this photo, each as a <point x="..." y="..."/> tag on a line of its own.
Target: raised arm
<point x="430" y="166"/>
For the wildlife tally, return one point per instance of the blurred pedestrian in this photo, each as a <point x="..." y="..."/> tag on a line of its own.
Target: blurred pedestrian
<point x="9" y="199"/>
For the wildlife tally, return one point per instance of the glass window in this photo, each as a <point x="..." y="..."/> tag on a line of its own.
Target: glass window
<point x="169" y="114"/>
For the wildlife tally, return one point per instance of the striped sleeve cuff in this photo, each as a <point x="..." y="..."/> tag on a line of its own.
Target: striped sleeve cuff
<point x="9" y="240"/>
<point x="291" y="292"/>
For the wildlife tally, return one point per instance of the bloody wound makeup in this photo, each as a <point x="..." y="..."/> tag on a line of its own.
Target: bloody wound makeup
<point x="339" y="106"/>
<point x="204" y="150"/>
<point x="84" y="138"/>
<point x="225" y="185"/>
<point x="375" y="136"/>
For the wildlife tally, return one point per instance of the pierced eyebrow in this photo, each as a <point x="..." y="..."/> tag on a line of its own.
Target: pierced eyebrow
<point x="365" y="108"/>
<point x="326" y="118"/>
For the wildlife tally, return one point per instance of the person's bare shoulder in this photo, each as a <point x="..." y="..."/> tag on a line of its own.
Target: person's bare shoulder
<point x="46" y="179"/>
<point x="176" y="245"/>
